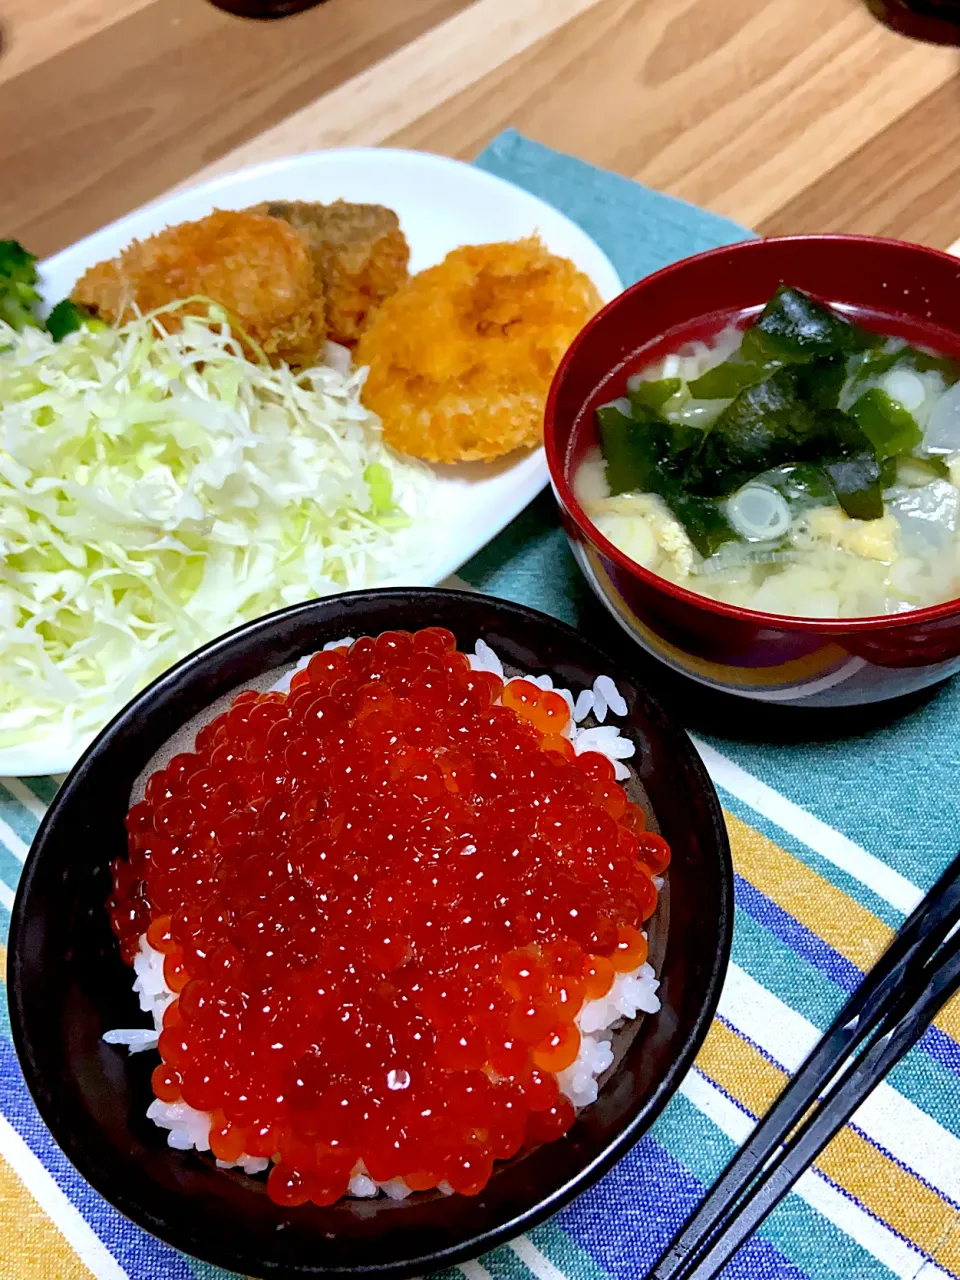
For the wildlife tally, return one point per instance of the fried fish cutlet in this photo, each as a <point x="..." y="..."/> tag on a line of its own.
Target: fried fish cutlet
<point x="461" y="358"/>
<point x="257" y="268"/>
<point x="359" y="253"/>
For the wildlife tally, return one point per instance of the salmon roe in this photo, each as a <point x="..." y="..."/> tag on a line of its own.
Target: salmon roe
<point x="382" y="899"/>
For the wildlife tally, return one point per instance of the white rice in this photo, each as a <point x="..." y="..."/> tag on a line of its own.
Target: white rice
<point x="631" y="993"/>
<point x="583" y="705"/>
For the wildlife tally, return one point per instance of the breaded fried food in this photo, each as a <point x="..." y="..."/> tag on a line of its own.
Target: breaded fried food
<point x="256" y="267"/>
<point x="462" y="357"/>
<point x="359" y="253"/>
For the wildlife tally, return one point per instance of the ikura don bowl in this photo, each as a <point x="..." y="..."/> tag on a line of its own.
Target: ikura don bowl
<point x="900" y="289"/>
<point x="68" y="984"/>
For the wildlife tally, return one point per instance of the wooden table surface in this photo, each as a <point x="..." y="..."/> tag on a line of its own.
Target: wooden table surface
<point x="789" y="115"/>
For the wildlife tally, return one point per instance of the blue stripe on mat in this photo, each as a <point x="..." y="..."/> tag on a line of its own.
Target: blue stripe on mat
<point x="10" y="868"/>
<point x="925" y="1079"/>
<point x="837" y="968"/>
<point x="841" y="880"/>
<point x="647" y="1195"/>
<point x="503" y="1264"/>
<point x="942" y="1048"/>
<point x="804" y="1236"/>
<point x="206" y="1271"/>
<point x="801" y="940"/>
<point x="788" y="976"/>
<point x="565" y="1253"/>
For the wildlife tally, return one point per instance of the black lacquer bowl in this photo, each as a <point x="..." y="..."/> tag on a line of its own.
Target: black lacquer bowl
<point x="68" y="984"/>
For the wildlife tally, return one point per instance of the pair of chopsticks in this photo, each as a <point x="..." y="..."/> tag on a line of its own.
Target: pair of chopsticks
<point x="885" y="1016"/>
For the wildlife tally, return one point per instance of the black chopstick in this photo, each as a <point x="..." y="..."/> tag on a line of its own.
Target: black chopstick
<point x="892" y="994"/>
<point x="899" y="1032"/>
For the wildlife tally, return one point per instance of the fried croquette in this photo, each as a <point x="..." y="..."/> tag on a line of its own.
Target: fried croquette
<point x="359" y="253"/>
<point x="462" y="357"/>
<point x="257" y="268"/>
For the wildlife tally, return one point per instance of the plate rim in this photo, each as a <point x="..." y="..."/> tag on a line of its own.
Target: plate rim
<point x="264" y="168"/>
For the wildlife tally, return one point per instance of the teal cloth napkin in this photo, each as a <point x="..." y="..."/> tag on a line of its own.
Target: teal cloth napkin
<point x="639" y="230"/>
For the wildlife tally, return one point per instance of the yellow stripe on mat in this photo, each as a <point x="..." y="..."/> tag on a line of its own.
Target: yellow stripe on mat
<point x="890" y="1193"/>
<point x="32" y="1245"/>
<point x="825" y="910"/>
<point x="843" y="924"/>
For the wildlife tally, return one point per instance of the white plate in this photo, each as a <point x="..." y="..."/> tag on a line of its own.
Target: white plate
<point x="441" y="204"/>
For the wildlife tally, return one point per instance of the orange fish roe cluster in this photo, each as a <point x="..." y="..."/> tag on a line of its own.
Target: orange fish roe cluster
<point x="382" y="899"/>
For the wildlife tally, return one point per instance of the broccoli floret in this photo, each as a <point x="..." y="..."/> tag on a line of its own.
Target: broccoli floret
<point x="67" y="316"/>
<point x="18" y="278"/>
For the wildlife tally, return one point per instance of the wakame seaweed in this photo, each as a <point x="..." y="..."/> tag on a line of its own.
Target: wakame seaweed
<point x="748" y="365"/>
<point x="762" y="427"/>
<point x="821" y="382"/>
<point x="629" y="451"/>
<point x="654" y="456"/>
<point x="856" y="482"/>
<point x="653" y="395"/>
<point x="804" y="413"/>
<point x="650" y="454"/>
<point x="792" y="329"/>
<point x="887" y="425"/>
<point x="703" y="519"/>
<point x="796" y="327"/>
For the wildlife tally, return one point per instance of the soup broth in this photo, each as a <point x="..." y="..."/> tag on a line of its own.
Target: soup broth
<point x="801" y="466"/>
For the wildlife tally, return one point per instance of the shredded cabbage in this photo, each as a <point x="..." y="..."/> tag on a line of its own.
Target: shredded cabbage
<point x="158" y="489"/>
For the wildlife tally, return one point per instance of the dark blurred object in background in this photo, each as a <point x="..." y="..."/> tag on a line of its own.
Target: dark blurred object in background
<point x="264" y="8"/>
<point x="937" y="21"/>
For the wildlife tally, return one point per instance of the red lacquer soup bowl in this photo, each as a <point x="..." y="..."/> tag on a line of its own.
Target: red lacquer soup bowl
<point x="896" y="288"/>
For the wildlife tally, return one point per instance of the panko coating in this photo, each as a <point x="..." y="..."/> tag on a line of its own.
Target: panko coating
<point x="462" y="357"/>
<point x="256" y="267"/>
<point x="359" y="253"/>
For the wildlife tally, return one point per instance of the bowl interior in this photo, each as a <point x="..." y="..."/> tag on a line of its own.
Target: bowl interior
<point x="68" y="985"/>
<point x="897" y="289"/>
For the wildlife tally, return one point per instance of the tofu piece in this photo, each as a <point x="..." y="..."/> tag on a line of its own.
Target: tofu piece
<point x="643" y="526"/>
<point x="872" y="539"/>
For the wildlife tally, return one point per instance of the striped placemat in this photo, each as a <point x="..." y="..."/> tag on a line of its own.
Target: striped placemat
<point x="834" y="842"/>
